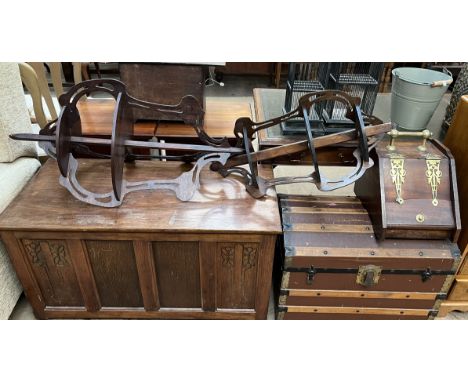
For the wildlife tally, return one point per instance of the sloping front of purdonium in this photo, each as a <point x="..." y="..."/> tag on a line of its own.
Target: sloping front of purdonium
<point x="411" y="192"/>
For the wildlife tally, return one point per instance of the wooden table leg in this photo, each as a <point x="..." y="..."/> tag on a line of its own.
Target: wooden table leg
<point x="277" y="74"/>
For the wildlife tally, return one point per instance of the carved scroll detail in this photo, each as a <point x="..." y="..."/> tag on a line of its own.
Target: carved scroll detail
<point x="433" y="175"/>
<point x="59" y="255"/>
<point x="184" y="185"/>
<point x="63" y="138"/>
<point x="37" y="255"/>
<point x="249" y="257"/>
<point x="34" y="251"/>
<point x="227" y="256"/>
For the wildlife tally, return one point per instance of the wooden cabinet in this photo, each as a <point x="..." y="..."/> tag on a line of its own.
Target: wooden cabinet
<point x="460" y="288"/>
<point x="458" y="296"/>
<point x="153" y="257"/>
<point x="248" y="68"/>
<point x="163" y="83"/>
<point x="457" y="141"/>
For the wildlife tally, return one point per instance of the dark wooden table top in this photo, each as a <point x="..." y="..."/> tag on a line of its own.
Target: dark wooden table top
<point x="220" y="117"/>
<point x="221" y="204"/>
<point x="96" y="118"/>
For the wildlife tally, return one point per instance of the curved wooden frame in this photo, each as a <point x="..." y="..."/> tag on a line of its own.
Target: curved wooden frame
<point x="245" y="127"/>
<point x="65" y="135"/>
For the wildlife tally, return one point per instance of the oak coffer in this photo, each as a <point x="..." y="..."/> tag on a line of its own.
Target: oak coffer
<point x="153" y="257"/>
<point x="331" y="266"/>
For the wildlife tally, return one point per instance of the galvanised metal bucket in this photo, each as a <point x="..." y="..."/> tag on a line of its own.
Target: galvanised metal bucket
<point x="416" y="93"/>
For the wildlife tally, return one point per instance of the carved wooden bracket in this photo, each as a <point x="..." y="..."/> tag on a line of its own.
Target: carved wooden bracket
<point x="63" y="140"/>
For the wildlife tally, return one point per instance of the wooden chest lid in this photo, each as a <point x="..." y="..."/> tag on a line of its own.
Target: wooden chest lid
<point x="221" y="205"/>
<point x="336" y="232"/>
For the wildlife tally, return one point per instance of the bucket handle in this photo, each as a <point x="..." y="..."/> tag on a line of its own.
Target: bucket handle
<point x="443" y="82"/>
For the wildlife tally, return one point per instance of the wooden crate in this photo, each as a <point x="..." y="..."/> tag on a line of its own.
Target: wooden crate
<point x="331" y="266"/>
<point x="153" y="257"/>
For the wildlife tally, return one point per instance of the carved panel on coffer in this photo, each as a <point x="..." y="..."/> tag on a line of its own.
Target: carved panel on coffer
<point x="114" y="268"/>
<point x="236" y="266"/>
<point x="178" y="274"/>
<point x="52" y="268"/>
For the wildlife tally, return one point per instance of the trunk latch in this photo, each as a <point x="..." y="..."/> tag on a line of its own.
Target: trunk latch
<point x="368" y="275"/>
<point x="310" y="275"/>
<point x="426" y="275"/>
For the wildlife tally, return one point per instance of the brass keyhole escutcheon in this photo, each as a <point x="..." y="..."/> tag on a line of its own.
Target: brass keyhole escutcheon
<point x="420" y="218"/>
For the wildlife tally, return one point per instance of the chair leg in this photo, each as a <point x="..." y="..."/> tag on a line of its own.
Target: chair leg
<point x="56" y="76"/>
<point x="31" y="81"/>
<point x="44" y="87"/>
<point x="77" y="77"/>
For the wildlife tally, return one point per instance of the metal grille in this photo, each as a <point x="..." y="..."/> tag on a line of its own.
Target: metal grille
<point x="354" y="79"/>
<point x="300" y="88"/>
<point x="305" y="78"/>
<point x="360" y="79"/>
